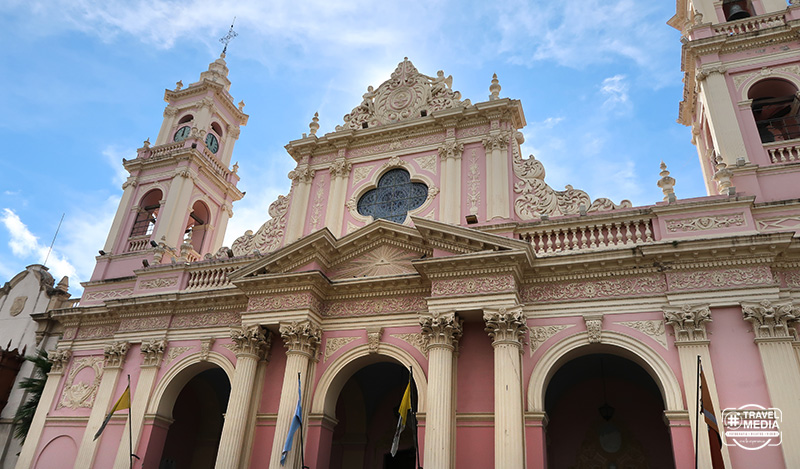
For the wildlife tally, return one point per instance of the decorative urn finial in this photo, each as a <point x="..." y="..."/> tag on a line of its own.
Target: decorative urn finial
<point x="179" y="85"/>
<point x="667" y="184"/>
<point x="314" y="125"/>
<point x="494" y="88"/>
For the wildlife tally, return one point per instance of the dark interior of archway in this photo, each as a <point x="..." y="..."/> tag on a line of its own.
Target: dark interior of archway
<point x="367" y="411"/>
<point x="193" y="437"/>
<point x="578" y="434"/>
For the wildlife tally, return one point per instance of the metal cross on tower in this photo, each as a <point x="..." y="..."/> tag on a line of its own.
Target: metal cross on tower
<point x="226" y="39"/>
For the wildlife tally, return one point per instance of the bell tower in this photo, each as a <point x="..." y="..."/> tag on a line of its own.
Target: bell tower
<point x="179" y="195"/>
<point x="741" y="60"/>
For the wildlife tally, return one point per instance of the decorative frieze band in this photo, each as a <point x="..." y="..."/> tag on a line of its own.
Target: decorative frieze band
<point x="706" y="222"/>
<point x="506" y="325"/>
<point x="612" y="287"/>
<point x="441" y="330"/>
<point x="301" y="337"/>
<point x="471" y="286"/>
<point x="251" y="341"/>
<point x="283" y="302"/>
<point x="688" y="322"/>
<point x="720" y="278"/>
<point x="771" y="319"/>
<point x="397" y="304"/>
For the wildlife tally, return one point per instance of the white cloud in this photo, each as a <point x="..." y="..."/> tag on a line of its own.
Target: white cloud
<point x="616" y="91"/>
<point x="113" y="156"/>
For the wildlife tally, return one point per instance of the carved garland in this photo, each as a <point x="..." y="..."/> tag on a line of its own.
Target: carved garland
<point x="705" y="223"/>
<point x="462" y="286"/>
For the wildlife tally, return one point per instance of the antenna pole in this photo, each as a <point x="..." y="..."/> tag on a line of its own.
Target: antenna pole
<point x="54" y="240"/>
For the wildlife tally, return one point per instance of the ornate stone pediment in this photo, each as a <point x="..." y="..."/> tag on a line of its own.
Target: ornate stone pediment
<point x="382" y="260"/>
<point x="406" y="95"/>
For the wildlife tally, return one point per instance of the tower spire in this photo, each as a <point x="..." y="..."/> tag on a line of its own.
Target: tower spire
<point x="226" y="39"/>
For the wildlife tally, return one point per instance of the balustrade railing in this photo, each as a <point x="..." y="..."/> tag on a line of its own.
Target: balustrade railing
<point x="138" y="243"/>
<point x="589" y="235"/>
<point x="211" y="277"/>
<point x="746" y="25"/>
<point x="787" y="151"/>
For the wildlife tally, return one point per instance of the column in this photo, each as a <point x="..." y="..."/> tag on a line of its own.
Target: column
<point x="123" y="211"/>
<point x="340" y="172"/>
<point x="301" y="340"/>
<point x="441" y="333"/>
<point x="164" y="134"/>
<point x="496" y="146"/>
<point x="251" y="346"/>
<point x="507" y="327"/>
<point x="450" y="180"/>
<point x="689" y="324"/>
<point x="59" y="359"/>
<point x="301" y="191"/>
<point x="152" y="352"/>
<point x="114" y="359"/>
<point x="725" y="129"/>
<point x="771" y="321"/>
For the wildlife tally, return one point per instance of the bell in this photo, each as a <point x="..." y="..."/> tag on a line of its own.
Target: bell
<point x="737" y="13"/>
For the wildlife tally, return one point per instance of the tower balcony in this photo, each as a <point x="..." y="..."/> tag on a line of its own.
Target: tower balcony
<point x="750" y="24"/>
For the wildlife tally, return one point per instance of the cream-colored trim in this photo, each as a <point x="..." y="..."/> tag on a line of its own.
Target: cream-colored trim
<point x="174" y="380"/>
<point x="774" y="73"/>
<point x="341" y="369"/>
<point x="638" y="352"/>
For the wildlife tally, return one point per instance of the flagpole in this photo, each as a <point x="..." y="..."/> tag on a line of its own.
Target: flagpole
<point x="697" y="415"/>
<point x="130" y="426"/>
<point x="302" y="447"/>
<point x="415" y="436"/>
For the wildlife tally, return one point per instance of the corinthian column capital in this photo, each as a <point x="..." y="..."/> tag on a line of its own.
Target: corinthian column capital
<point x="251" y="341"/>
<point x="688" y="322"/>
<point x="59" y="359"/>
<point x="771" y="319"/>
<point x="506" y="325"/>
<point x="441" y="330"/>
<point x="152" y="351"/>
<point x="301" y="337"/>
<point x="114" y="354"/>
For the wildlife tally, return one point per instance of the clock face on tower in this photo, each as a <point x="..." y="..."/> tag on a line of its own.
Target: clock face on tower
<point x="212" y="143"/>
<point x="182" y="133"/>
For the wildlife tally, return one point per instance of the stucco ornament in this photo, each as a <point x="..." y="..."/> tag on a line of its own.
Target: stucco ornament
<point x="59" y="359"/>
<point x="404" y="96"/>
<point x="771" y="319"/>
<point x="333" y="344"/>
<point x="374" y="334"/>
<point x="536" y="198"/>
<point x="114" y="354"/>
<point x="269" y="237"/>
<point x="688" y="321"/>
<point x="441" y="330"/>
<point x="506" y="325"/>
<point x="253" y="341"/>
<point x="83" y="392"/>
<point x="152" y="351"/>
<point x="540" y="334"/>
<point x="301" y="337"/>
<point x="594" y="328"/>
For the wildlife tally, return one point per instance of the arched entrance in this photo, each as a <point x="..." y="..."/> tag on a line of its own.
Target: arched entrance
<point x="367" y="413"/>
<point x="605" y="411"/>
<point x="196" y="410"/>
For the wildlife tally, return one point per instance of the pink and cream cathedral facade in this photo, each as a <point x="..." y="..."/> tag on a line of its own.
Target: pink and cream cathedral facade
<point x="544" y="328"/>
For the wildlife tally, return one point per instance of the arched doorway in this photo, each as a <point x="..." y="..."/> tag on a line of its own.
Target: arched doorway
<point x="367" y="413"/>
<point x="193" y="437"/>
<point x="606" y="411"/>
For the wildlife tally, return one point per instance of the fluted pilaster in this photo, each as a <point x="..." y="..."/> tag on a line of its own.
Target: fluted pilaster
<point x="507" y="328"/>
<point x="252" y="344"/>
<point x="441" y="333"/>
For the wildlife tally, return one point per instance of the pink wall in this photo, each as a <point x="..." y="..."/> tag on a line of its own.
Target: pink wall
<point x="475" y="380"/>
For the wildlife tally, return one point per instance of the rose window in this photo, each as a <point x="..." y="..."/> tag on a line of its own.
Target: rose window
<point x="394" y="197"/>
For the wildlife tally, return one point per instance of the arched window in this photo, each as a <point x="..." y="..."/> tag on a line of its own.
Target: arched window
<point x="185" y="119"/>
<point x="217" y="129"/>
<point x="776" y="109"/>
<point x="394" y="197"/>
<point x="196" y="226"/>
<point x="148" y="213"/>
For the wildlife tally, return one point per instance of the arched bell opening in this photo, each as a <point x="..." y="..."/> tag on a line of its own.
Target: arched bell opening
<point x="197" y="224"/>
<point x="776" y="109"/>
<point x="606" y="411"/>
<point x="187" y="428"/>
<point x="367" y="414"/>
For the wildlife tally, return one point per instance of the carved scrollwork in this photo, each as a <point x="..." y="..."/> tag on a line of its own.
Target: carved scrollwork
<point x="536" y="198"/>
<point x="270" y="236"/>
<point x="404" y="96"/>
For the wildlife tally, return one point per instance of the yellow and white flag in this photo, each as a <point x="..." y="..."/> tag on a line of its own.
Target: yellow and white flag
<point x="405" y="408"/>
<point x="124" y="402"/>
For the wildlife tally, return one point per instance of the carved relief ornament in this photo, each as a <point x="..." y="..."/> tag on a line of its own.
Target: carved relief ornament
<point x="301" y="337"/>
<point x="333" y="344"/>
<point x="59" y="359"/>
<point x="506" y="326"/>
<point x="540" y="334"/>
<point x="771" y="319"/>
<point x="270" y="236"/>
<point x="114" y="354"/>
<point x="441" y="330"/>
<point x="537" y="198"/>
<point x="451" y="150"/>
<point x="706" y="222"/>
<point x="82" y="393"/>
<point x="374" y="334"/>
<point x="153" y="351"/>
<point x="594" y="327"/>
<point x="251" y="341"/>
<point x="688" y="322"/>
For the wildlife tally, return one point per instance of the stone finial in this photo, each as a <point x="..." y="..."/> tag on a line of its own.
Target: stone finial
<point x="723" y="176"/>
<point x="494" y="88"/>
<point x="667" y="184"/>
<point x="146" y="143"/>
<point x="241" y="105"/>
<point x="179" y="85"/>
<point x="63" y="284"/>
<point x="314" y="125"/>
<point x="235" y="167"/>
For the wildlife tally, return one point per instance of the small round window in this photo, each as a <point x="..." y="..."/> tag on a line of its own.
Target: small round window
<point x="394" y="197"/>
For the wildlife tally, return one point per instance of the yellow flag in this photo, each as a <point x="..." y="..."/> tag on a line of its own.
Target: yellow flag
<point x="405" y="407"/>
<point x="124" y="402"/>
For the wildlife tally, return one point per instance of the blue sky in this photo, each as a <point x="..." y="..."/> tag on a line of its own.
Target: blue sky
<point x="83" y="84"/>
